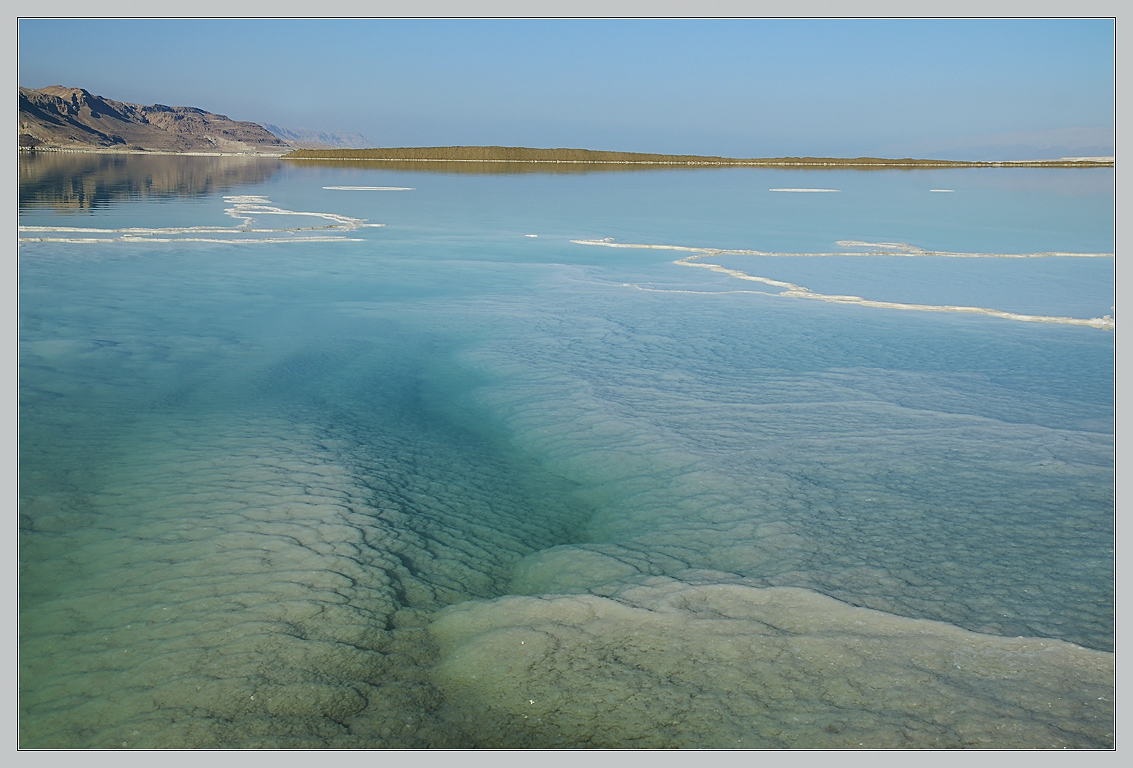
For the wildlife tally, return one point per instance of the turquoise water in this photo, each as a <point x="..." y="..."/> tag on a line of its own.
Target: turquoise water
<point x="440" y="483"/>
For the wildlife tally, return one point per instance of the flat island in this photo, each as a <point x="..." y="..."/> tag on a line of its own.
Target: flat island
<point x="529" y="155"/>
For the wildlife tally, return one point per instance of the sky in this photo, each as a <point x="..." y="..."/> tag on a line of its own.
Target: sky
<point x="949" y="88"/>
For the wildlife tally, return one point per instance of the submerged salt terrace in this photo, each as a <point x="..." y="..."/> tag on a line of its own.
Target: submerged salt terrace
<point x="451" y="486"/>
<point x="811" y="479"/>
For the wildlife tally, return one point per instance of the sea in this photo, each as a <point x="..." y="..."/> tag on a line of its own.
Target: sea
<point x="442" y="455"/>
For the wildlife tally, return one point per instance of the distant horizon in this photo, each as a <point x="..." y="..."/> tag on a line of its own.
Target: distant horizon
<point x="298" y="135"/>
<point x="950" y="89"/>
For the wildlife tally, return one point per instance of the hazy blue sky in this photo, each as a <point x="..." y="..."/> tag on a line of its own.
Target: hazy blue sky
<point x="731" y="87"/>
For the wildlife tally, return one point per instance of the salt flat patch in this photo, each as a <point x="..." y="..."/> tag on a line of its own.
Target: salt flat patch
<point x="673" y="664"/>
<point x="794" y="189"/>
<point x="372" y="189"/>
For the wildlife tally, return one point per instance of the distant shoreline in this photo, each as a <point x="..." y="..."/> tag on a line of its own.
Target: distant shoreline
<point x="527" y="156"/>
<point x="594" y="157"/>
<point x="109" y="151"/>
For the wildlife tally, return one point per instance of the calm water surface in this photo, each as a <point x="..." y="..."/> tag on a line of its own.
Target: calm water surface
<point x="288" y="479"/>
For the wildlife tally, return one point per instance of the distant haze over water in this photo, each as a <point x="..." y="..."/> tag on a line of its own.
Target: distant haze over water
<point x="1019" y="145"/>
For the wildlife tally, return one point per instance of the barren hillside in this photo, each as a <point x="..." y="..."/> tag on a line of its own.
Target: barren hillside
<point x="73" y="118"/>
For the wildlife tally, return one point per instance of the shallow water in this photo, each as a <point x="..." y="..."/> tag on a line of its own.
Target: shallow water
<point x="296" y="491"/>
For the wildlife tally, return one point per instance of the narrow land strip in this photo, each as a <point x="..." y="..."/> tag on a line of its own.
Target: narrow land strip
<point x="530" y="155"/>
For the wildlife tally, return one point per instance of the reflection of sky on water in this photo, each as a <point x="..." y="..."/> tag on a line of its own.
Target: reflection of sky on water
<point x="250" y="477"/>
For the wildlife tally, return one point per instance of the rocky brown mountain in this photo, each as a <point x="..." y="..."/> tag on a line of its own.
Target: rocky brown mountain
<point x="73" y="118"/>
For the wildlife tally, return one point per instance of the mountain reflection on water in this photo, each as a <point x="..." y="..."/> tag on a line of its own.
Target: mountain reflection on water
<point x="79" y="181"/>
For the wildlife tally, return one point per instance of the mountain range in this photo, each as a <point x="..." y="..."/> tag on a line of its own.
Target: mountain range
<point x="73" y="118"/>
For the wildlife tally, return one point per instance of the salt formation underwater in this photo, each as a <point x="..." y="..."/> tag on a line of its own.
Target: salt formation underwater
<point x="289" y="478"/>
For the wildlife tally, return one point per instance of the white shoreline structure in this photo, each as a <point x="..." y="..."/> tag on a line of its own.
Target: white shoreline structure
<point x="244" y="208"/>
<point x="793" y="291"/>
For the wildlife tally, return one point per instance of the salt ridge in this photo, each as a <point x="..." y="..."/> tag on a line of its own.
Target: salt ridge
<point x="791" y="290"/>
<point x="244" y="208"/>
